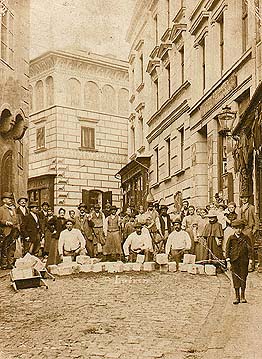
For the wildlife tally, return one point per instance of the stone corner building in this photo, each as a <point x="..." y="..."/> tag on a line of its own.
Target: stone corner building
<point x="14" y="98"/>
<point x="78" y="128"/>
<point x="194" y="66"/>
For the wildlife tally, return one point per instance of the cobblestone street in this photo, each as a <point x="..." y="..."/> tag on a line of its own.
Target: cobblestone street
<point x="156" y="315"/>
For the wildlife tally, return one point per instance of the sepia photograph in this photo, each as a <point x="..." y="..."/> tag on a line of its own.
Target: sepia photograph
<point x="130" y="179"/>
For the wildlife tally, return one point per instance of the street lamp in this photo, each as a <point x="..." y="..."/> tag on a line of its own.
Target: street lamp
<point x="225" y="120"/>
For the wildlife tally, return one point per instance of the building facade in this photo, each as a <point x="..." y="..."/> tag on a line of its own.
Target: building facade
<point x="193" y="66"/>
<point x="78" y="128"/>
<point x="14" y="96"/>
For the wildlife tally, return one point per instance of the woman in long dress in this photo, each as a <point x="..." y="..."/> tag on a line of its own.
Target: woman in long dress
<point x="112" y="248"/>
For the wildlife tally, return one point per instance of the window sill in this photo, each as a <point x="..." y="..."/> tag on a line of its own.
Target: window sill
<point x="141" y="149"/>
<point x="155" y="185"/>
<point x="167" y="179"/>
<point x="88" y="149"/>
<point x="179" y="172"/>
<point x="140" y="87"/>
<point x="39" y="150"/>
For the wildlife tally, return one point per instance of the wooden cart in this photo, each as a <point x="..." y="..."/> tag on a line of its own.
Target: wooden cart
<point x="34" y="281"/>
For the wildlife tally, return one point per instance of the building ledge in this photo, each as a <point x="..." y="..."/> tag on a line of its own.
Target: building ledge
<point x="88" y="149"/>
<point x="140" y="87"/>
<point x="179" y="172"/>
<point x="39" y="150"/>
<point x="155" y="185"/>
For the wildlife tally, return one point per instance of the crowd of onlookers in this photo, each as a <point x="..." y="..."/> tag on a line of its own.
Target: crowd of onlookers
<point x="113" y="235"/>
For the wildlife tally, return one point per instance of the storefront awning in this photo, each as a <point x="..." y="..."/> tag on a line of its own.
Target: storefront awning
<point x="138" y="164"/>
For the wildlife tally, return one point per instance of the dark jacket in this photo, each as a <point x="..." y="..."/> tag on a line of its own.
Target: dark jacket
<point x="31" y="228"/>
<point x="239" y="248"/>
<point x="162" y="224"/>
<point x="21" y="215"/>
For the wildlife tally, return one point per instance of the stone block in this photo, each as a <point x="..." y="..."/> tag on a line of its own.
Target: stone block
<point x="182" y="267"/>
<point x="127" y="267"/>
<point x="163" y="268"/>
<point x="136" y="267"/>
<point x="98" y="267"/>
<point x="119" y="266"/>
<point x="94" y="260"/>
<point x="140" y="258"/>
<point x="53" y="269"/>
<point x="65" y="270"/>
<point x="86" y="268"/>
<point x="67" y="259"/>
<point x="76" y="267"/>
<point x="110" y="267"/>
<point x="83" y="259"/>
<point x="189" y="259"/>
<point x="172" y="267"/>
<point x="200" y="269"/>
<point x="192" y="269"/>
<point x="149" y="266"/>
<point x="162" y="258"/>
<point x="210" y="269"/>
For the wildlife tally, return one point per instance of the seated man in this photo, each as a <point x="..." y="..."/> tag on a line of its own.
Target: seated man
<point x="71" y="241"/>
<point x="138" y="242"/>
<point x="178" y="242"/>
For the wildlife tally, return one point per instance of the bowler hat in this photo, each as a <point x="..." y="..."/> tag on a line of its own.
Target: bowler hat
<point x="245" y="195"/>
<point x="97" y="205"/>
<point x="138" y="225"/>
<point x="32" y="204"/>
<point x="45" y="204"/>
<point x="7" y="195"/>
<point x="238" y="223"/>
<point x="113" y="208"/>
<point x="82" y="205"/>
<point x="70" y="220"/>
<point x="19" y="199"/>
<point x="163" y="206"/>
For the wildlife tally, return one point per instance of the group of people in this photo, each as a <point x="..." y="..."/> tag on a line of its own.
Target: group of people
<point x="216" y="232"/>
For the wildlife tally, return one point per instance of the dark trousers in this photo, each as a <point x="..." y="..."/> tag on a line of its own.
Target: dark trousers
<point x="35" y="245"/>
<point x="7" y="250"/>
<point x="239" y="270"/>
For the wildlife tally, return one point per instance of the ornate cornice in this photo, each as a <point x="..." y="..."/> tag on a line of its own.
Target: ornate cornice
<point x="80" y="65"/>
<point x="177" y="32"/>
<point x="198" y="23"/>
<point x="152" y="65"/>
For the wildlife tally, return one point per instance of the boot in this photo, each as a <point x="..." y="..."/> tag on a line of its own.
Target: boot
<point x="237" y="300"/>
<point x="243" y="298"/>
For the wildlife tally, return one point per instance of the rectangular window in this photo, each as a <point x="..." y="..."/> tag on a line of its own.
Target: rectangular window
<point x="141" y="59"/>
<point x="244" y="25"/>
<point x="156" y="90"/>
<point x="88" y="138"/>
<point x="168" y="150"/>
<point x="40" y="138"/>
<point x="182" y="146"/>
<point x="157" y="164"/>
<point x="221" y="42"/>
<point x="182" y="64"/>
<point x="156" y="29"/>
<point x="168" y="80"/>
<point x="4" y="36"/>
<point x="20" y="154"/>
<point x="203" y="60"/>
<point x="168" y="13"/>
<point x="258" y="21"/>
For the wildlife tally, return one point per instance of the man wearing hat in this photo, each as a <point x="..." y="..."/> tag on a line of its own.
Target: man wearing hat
<point x="164" y="227"/>
<point x="112" y="248"/>
<point x="84" y="224"/>
<point x="32" y="230"/>
<point x="9" y="231"/>
<point x="98" y="229"/>
<point x="138" y="242"/>
<point x="248" y="214"/>
<point x="238" y="254"/>
<point x="71" y="241"/>
<point x="178" y="242"/>
<point x="22" y="210"/>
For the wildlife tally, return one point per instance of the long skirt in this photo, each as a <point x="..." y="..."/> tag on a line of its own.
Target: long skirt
<point x="48" y="239"/>
<point x="201" y="250"/>
<point x="239" y="270"/>
<point x="113" y="243"/>
<point x="53" y="255"/>
<point x="215" y="252"/>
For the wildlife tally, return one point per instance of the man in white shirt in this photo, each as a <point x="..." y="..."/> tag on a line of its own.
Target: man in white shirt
<point x="178" y="242"/>
<point x="71" y="241"/>
<point x="138" y="242"/>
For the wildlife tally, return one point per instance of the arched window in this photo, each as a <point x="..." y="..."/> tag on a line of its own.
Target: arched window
<point x="92" y="96"/>
<point x="39" y="95"/>
<point x="49" y="91"/>
<point x="30" y="99"/>
<point x="109" y="99"/>
<point x="7" y="173"/>
<point x="123" y="108"/>
<point x="73" y="92"/>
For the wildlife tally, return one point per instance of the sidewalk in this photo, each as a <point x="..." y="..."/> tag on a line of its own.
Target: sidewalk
<point x="239" y="330"/>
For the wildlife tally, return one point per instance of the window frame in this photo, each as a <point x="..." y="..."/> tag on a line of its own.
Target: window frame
<point x="88" y="138"/>
<point x="43" y="147"/>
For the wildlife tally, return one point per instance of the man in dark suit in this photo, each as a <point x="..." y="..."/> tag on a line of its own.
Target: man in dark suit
<point x="164" y="227"/>
<point x="32" y="230"/>
<point x="239" y="253"/>
<point x="9" y="231"/>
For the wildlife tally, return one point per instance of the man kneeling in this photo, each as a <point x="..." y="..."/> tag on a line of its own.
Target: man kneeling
<point x="138" y="242"/>
<point x="71" y="241"/>
<point x="178" y="243"/>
